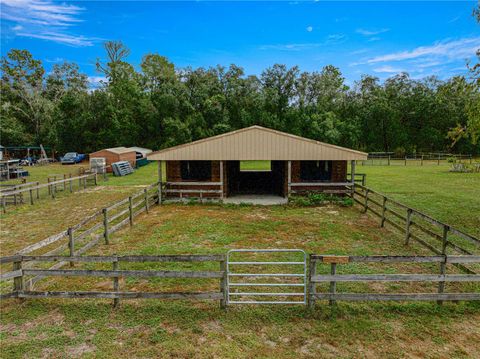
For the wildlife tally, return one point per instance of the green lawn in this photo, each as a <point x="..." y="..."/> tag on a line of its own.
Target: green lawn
<point x="450" y="197"/>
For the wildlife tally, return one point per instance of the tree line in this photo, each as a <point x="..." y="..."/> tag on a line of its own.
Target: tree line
<point x="159" y="105"/>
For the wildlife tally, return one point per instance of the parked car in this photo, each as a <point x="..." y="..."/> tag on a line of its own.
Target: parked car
<point x="72" y="157"/>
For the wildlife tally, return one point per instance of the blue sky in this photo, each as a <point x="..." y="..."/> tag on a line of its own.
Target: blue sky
<point x="378" y="38"/>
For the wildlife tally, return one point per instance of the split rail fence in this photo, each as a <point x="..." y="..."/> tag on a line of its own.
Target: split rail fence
<point x="33" y="191"/>
<point x="78" y="239"/>
<point x="466" y="286"/>
<point x="418" y="160"/>
<point x="438" y="237"/>
<point x="441" y="278"/>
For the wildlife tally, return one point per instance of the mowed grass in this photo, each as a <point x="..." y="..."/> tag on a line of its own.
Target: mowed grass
<point x="453" y="198"/>
<point x="187" y="329"/>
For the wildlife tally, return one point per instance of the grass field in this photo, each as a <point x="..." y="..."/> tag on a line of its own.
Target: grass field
<point x="92" y="328"/>
<point x="450" y="197"/>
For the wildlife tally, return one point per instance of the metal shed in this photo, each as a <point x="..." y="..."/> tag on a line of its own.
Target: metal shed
<point x="115" y="154"/>
<point x="211" y="167"/>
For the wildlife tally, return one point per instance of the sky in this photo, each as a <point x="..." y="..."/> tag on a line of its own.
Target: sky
<point x="380" y="38"/>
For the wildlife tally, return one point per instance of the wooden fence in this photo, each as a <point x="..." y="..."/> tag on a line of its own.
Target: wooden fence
<point x="315" y="278"/>
<point x="33" y="190"/>
<point x="435" y="235"/>
<point x="19" y="273"/>
<point x="441" y="278"/>
<point x="417" y="160"/>
<point x="97" y="227"/>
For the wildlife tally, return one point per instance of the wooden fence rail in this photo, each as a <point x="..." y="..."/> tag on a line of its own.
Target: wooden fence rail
<point x="19" y="273"/>
<point x="91" y="230"/>
<point x="19" y="193"/>
<point x="416" y="225"/>
<point x="441" y="278"/>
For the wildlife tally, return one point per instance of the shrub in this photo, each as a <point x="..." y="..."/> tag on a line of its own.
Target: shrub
<point x="317" y="199"/>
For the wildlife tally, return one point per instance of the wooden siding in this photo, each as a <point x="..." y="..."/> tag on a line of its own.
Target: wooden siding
<point x="256" y="143"/>
<point x="111" y="157"/>
<point x="339" y="174"/>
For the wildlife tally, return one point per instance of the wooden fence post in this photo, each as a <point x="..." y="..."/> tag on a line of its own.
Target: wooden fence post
<point x="17" y="281"/>
<point x="421" y="163"/>
<point x="443" y="265"/>
<point x="95" y="178"/>
<point x="49" y="189"/>
<point x="289" y="178"/>
<point x="405" y="160"/>
<point x="384" y="209"/>
<point x="130" y="210"/>
<point x="4" y="204"/>
<point x="38" y="190"/>
<point x="70" y="183"/>
<point x="71" y="243"/>
<point x="160" y="182"/>
<point x="145" y="191"/>
<point x="407" y="226"/>
<point x="31" y="196"/>
<point x="365" y="205"/>
<point x="312" y="271"/>
<point x="116" y="301"/>
<point x="54" y="188"/>
<point x="333" y="284"/>
<point x="64" y="182"/>
<point x="105" y="224"/>
<point x="223" y="284"/>
<point x="389" y="160"/>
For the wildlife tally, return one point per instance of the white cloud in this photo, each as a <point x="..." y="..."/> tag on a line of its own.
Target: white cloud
<point x="309" y="28"/>
<point x="366" y="32"/>
<point x="43" y="19"/>
<point x="449" y="50"/>
<point x="388" y="69"/>
<point x="332" y="39"/>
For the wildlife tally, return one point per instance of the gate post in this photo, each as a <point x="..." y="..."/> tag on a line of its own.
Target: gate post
<point x="223" y="284"/>
<point x="312" y="271"/>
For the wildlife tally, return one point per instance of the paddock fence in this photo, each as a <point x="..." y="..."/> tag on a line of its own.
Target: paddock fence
<point x="91" y="230"/>
<point x="355" y="284"/>
<point x="34" y="191"/>
<point x="438" y="237"/>
<point x="331" y="278"/>
<point x="415" y="159"/>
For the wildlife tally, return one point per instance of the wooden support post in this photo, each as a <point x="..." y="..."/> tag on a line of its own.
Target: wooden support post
<point x="53" y="190"/>
<point x="353" y="176"/>
<point x="64" y="182"/>
<point x="333" y="284"/>
<point x="407" y="226"/>
<point x="389" y="160"/>
<point x="38" y="190"/>
<point x="221" y="181"/>
<point x="421" y="163"/>
<point x="159" y="182"/>
<point x="31" y="196"/>
<point x="70" y="184"/>
<point x="438" y="160"/>
<point x="405" y="160"/>
<point x="145" y="193"/>
<point x="130" y="210"/>
<point x="223" y="284"/>
<point x="312" y="271"/>
<point x="365" y="205"/>
<point x="71" y="244"/>
<point x="289" y="178"/>
<point x="116" y="301"/>
<point x="105" y="224"/>
<point x="4" y="204"/>
<point x="443" y="265"/>
<point x="17" y="281"/>
<point x="470" y="159"/>
<point x="49" y="189"/>
<point x="85" y="183"/>
<point x="95" y="178"/>
<point x="384" y="209"/>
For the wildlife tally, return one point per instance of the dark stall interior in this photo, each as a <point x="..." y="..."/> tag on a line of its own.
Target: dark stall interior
<point x="256" y="182"/>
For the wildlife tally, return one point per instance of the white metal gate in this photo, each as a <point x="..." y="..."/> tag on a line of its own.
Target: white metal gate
<point x="293" y="277"/>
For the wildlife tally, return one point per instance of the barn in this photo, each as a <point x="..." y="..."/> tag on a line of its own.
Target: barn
<point x="213" y="167"/>
<point x="116" y="154"/>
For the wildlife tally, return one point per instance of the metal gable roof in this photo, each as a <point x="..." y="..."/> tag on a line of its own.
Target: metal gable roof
<point x="256" y="143"/>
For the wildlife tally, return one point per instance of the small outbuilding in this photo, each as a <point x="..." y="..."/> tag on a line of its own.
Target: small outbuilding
<point x="141" y="152"/>
<point x="116" y="154"/>
<point x="211" y="167"/>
